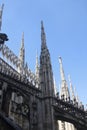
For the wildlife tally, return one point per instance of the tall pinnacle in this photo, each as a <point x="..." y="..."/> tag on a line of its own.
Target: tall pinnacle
<point x="61" y="69"/>
<point x="43" y="36"/>
<point x="71" y="89"/>
<point x="76" y="96"/>
<point x="1" y="12"/>
<point x="22" y="52"/>
<point x="46" y="74"/>
<point x="55" y="87"/>
<point x="64" y="87"/>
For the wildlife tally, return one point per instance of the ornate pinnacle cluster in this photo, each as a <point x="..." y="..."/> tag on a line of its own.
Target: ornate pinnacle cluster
<point x="74" y="95"/>
<point x="1" y="12"/>
<point x="64" y="87"/>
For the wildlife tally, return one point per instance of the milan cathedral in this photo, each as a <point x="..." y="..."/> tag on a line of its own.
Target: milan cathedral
<point x="30" y="101"/>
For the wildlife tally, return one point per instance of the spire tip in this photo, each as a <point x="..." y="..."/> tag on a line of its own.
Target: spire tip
<point x="69" y="77"/>
<point x="60" y="59"/>
<point x="41" y="22"/>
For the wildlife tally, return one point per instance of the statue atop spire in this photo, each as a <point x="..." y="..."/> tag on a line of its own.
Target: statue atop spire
<point x="1" y="12"/>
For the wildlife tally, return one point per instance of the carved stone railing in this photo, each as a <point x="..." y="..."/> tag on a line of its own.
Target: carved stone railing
<point x="27" y="74"/>
<point x="71" y="112"/>
<point x="6" y="52"/>
<point x="6" y="69"/>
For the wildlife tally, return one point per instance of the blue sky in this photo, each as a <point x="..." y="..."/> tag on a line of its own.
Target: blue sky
<point x="65" y="23"/>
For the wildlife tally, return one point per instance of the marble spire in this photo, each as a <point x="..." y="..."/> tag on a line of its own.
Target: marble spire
<point x="55" y="87"/>
<point x="46" y="74"/>
<point x="1" y="12"/>
<point x="46" y="84"/>
<point x="61" y="69"/>
<point x="77" y="97"/>
<point x="64" y="88"/>
<point x="71" y="89"/>
<point x="43" y="37"/>
<point x="22" y="56"/>
<point x="22" y="51"/>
